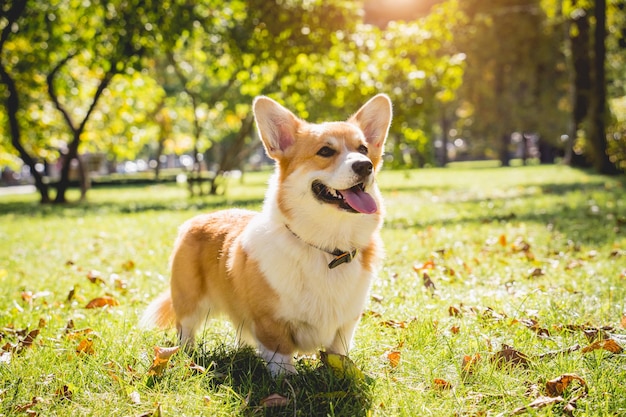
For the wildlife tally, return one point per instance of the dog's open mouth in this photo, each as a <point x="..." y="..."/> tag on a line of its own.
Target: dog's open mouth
<point x="354" y="200"/>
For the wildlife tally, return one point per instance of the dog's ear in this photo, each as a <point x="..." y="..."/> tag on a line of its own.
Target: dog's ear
<point x="374" y="119"/>
<point x="277" y="126"/>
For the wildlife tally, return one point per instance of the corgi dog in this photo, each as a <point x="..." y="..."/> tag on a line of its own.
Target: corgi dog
<point x="294" y="277"/>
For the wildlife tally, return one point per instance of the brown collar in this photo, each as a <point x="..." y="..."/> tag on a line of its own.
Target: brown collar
<point x="341" y="257"/>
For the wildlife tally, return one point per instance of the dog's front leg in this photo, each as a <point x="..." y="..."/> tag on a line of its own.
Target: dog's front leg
<point x="277" y="363"/>
<point x="343" y="338"/>
<point x="276" y="345"/>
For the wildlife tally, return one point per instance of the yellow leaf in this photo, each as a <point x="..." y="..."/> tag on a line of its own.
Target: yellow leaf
<point x="342" y="366"/>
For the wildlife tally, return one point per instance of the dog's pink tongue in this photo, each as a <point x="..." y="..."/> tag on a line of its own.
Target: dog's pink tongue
<point x="359" y="200"/>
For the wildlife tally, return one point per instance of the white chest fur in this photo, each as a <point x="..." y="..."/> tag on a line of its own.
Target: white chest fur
<point x="316" y="300"/>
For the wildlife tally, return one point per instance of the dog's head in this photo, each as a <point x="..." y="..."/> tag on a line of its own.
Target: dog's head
<point x="331" y="163"/>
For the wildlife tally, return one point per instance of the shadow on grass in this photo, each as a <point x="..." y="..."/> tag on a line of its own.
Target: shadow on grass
<point x="79" y="209"/>
<point x="314" y="391"/>
<point x="573" y="214"/>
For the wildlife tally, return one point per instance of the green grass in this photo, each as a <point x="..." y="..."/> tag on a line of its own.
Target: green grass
<point x="502" y="246"/>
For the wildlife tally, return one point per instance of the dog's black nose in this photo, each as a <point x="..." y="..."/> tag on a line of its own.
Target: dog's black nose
<point x="362" y="168"/>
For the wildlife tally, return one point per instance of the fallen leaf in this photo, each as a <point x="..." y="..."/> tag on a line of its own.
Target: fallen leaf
<point x="75" y="334"/>
<point x="455" y="329"/>
<point x="428" y="283"/>
<point x="509" y="356"/>
<point x="162" y="357"/>
<point x="394" y="357"/>
<point x="428" y="265"/>
<point x="609" y="345"/>
<point x="274" y="400"/>
<point x="395" y="324"/>
<point x="95" y="277"/>
<point x="469" y="363"/>
<point x="377" y="298"/>
<point x="454" y="312"/>
<point x="536" y="272"/>
<point x="502" y="240"/>
<point x="197" y="368"/>
<point x="128" y="265"/>
<point x="64" y="393"/>
<point x="100" y="302"/>
<point x="71" y="294"/>
<point x="85" y="347"/>
<point x="342" y="366"/>
<point x="555" y="387"/>
<point x="27" y="297"/>
<point x="623" y="321"/>
<point x="540" y="402"/>
<point x="441" y="384"/>
<point x="26" y="408"/>
<point x="28" y="340"/>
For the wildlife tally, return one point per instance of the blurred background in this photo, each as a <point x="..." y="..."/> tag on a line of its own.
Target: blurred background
<point x="97" y="91"/>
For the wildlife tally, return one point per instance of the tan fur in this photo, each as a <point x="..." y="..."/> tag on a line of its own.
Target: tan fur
<point x="262" y="270"/>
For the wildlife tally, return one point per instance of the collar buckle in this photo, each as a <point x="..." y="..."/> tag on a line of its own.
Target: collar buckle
<point x="342" y="258"/>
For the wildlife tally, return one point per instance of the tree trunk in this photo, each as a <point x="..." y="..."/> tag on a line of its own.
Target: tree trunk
<point x="13" y="103"/>
<point x="580" y="45"/>
<point x="444" y="137"/>
<point x="598" y="116"/>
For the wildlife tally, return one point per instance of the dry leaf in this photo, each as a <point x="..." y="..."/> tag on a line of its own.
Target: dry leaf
<point x="441" y="384"/>
<point x="609" y="344"/>
<point x="395" y="324"/>
<point x="102" y="302"/>
<point x="64" y="392"/>
<point x="162" y="357"/>
<point x="128" y="265"/>
<point x="536" y="272"/>
<point x="623" y="321"/>
<point x="455" y="329"/>
<point x="537" y="404"/>
<point x="502" y="240"/>
<point x="469" y="364"/>
<point x="428" y="283"/>
<point x="85" y="346"/>
<point x="28" y="339"/>
<point x="26" y="408"/>
<point x="428" y="265"/>
<point x="197" y="368"/>
<point x="274" y="400"/>
<point x="509" y="356"/>
<point x="556" y="387"/>
<point x="454" y="312"/>
<point x="95" y="277"/>
<point x="394" y="357"/>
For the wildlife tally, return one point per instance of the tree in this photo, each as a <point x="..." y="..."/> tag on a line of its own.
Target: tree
<point x="512" y="82"/>
<point x="62" y="53"/>
<point x="12" y="13"/>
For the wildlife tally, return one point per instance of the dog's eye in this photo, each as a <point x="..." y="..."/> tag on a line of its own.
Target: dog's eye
<point x="326" y="152"/>
<point x="363" y="149"/>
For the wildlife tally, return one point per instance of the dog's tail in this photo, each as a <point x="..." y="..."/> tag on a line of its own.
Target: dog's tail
<point x="160" y="313"/>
